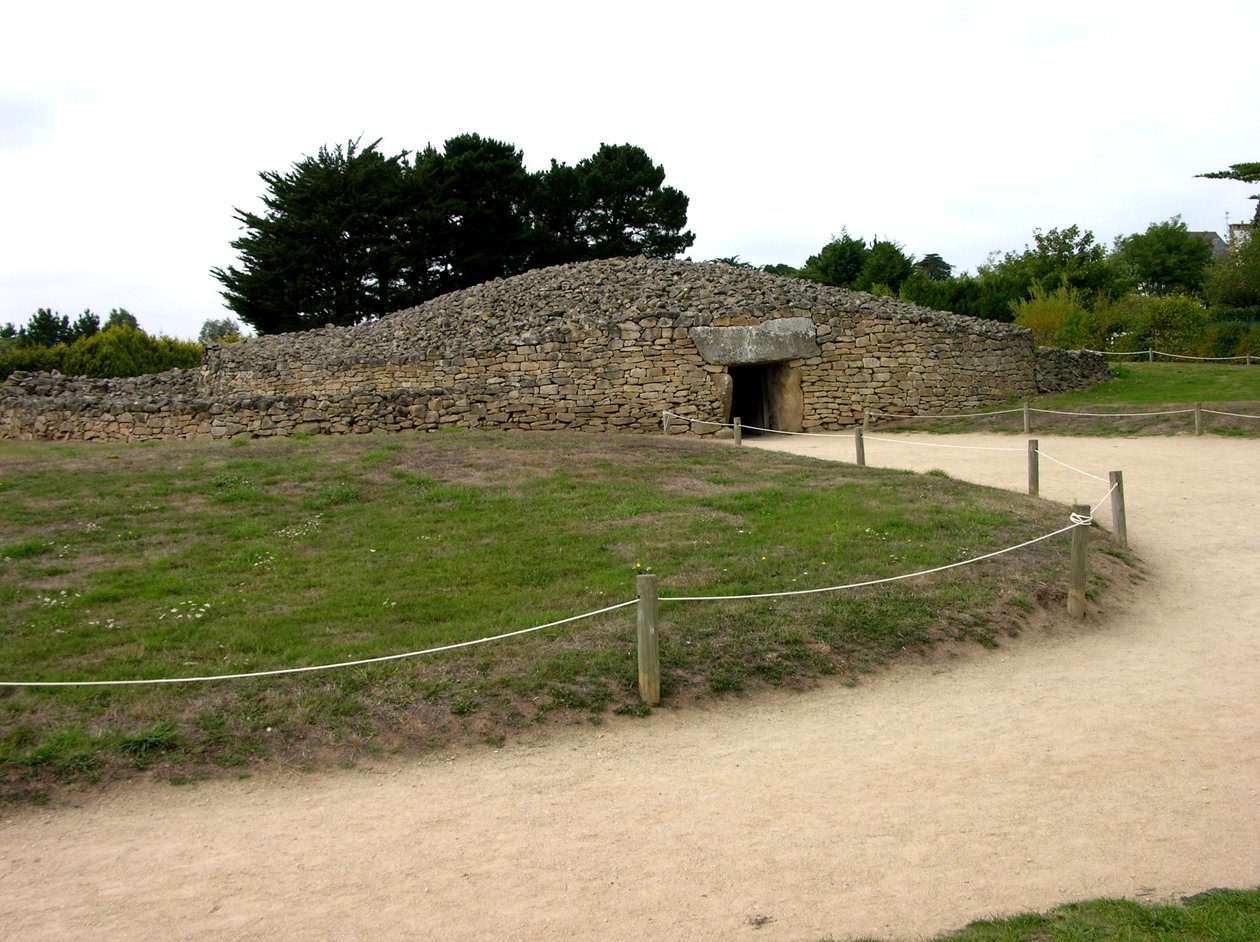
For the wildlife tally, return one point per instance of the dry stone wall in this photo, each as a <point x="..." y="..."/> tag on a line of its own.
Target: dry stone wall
<point x="598" y="346"/>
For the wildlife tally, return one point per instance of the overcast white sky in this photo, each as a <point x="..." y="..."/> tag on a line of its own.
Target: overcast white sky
<point x="129" y="131"/>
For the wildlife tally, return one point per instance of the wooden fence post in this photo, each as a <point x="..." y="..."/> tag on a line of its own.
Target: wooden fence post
<point x="1034" y="468"/>
<point x="1027" y="420"/>
<point x="866" y="417"/>
<point x="861" y="447"/>
<point x="665" y="424"/>
<point x="1080" y="554"/>
<point x="1150" y="356"/>
<point x="1119" y="526"/>
<point x="649" y="649"/>
<point x="1198" y="418"/>
<point x="739" y="431"/>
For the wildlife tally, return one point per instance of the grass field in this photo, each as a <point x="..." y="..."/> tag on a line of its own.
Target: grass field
<point x="1214" y="916"/>
<point x="182" y="559"/>
<point x="1136" y="388"/>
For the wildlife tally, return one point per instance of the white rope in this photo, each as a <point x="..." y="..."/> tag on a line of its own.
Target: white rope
<point x="1069" y="467"/>
<point x="1236" y="415"/>
<point x="1106" y="497"/>
<point x="1112" y="415"/>
<point x="773" y="431"/>
<point x="861" y="585"/>
<point x="953" y="415"/>
<point x="687" y="418"/>
<point x="1159" y="353"/>
<point x="307" y="670"/>
<point x="908" y="441"/>
<point x="1177" y="356"/>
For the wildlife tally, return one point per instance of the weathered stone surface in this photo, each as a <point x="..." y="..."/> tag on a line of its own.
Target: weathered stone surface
<point x="773" y="342"/>
<point x="1059" y="370"/>
<point x="598" y="346"/>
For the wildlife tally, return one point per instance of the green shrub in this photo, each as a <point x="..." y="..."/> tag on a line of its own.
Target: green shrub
<point x="32" y="359"/>
<point x="128" y="351"/>
<point x="1048" y="313"/>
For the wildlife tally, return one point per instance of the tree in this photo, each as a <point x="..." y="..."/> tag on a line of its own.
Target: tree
<point x="326" y="249"/>
<point x="213" y="331"/>
<point x="781" y="269"/>
<point x="1166" y="259"/>
<point x="626" y="210"/>
<point x="85" y="325"/>
<point x="1057" y="256"/>
<point x="1233" y="279"/>
<point x="479" y="187"/>
<point x="121" y="317"/>
<point x="1244" y="173"/>
<point x="45" y="329"/>
<point x="838" y="263"/>
<point x="934" y="268"/>
<point x="886" y="267"/>
<point x="353" y="234"/>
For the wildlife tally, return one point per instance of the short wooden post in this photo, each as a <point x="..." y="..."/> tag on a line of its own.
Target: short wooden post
<point x="1034" y="468"/>
<point x="649" y="650"/>
<point x="739" y="431"/>
<point x="1198" y="418"/>
<point x="1249" y="359"/>
<point x="1150" y="356"/>
<point x="861" y="447"/>
<point x="1027" y="421"/>
<point x="866" y="418"/>
<point x="1119" y="526"/>
<point x="665" y="423"/>
<point x="1080" y="553"/>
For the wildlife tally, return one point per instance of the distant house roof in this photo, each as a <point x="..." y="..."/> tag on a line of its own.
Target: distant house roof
<point x="1219" y="245"/>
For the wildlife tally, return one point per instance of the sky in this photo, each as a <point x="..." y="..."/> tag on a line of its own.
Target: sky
<point x="131" y="132"/>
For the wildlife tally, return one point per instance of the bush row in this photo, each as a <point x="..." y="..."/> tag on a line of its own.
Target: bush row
<point x="117" y="351"/>
<point x="1174" y="324"/>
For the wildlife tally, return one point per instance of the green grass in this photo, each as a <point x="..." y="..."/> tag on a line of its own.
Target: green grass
<point x="1213" y="916"/>
<point x="190" y="559"/>
<point x="1135" y="387"/>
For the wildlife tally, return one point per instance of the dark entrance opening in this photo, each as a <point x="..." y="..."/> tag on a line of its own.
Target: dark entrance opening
<point x="750" y="397"/>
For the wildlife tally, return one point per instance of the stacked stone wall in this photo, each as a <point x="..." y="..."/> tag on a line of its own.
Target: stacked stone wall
<point x="600" y="346"/>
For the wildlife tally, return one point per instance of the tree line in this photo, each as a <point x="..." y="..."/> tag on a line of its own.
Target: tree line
<point x="353" y="233"/>
<point x="86" y="347"/>
<point x="1163" y="287"/>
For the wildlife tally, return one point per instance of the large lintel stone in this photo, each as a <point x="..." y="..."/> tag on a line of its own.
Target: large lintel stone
<point x="785" y="338"/>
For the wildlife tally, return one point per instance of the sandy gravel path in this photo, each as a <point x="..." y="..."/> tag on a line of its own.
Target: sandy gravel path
<point x="1122" y="760"/>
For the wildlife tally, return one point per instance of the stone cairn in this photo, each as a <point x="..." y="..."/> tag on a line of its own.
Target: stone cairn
<point x="599" y="346"/>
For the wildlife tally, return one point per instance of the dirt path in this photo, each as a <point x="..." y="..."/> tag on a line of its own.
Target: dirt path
<point x="1118" y="761"/>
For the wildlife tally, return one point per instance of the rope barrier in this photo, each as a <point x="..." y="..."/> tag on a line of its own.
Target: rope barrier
<point x="1106" y="497"/>
<point x="1077" y="521"/>
<point x="1236" y="415"/>
<point x="307" y="670"/>
<point x="952" y="415"/>
<point x="1161" y="353"/>
<point x="1113" y="414"/>
<point x="1070" y="468"/>
<point x="898" y="441"/>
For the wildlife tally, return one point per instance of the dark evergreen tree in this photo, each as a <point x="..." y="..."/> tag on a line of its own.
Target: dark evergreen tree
<point x="326" y="249"/>
<point x="45" y="329"/>
<point x="886" y="266"/>
<point x="353" y="234"/>
<point x="839" y="263"/>
<point x="934" y="268"/>
<point x="625" y="210"/>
